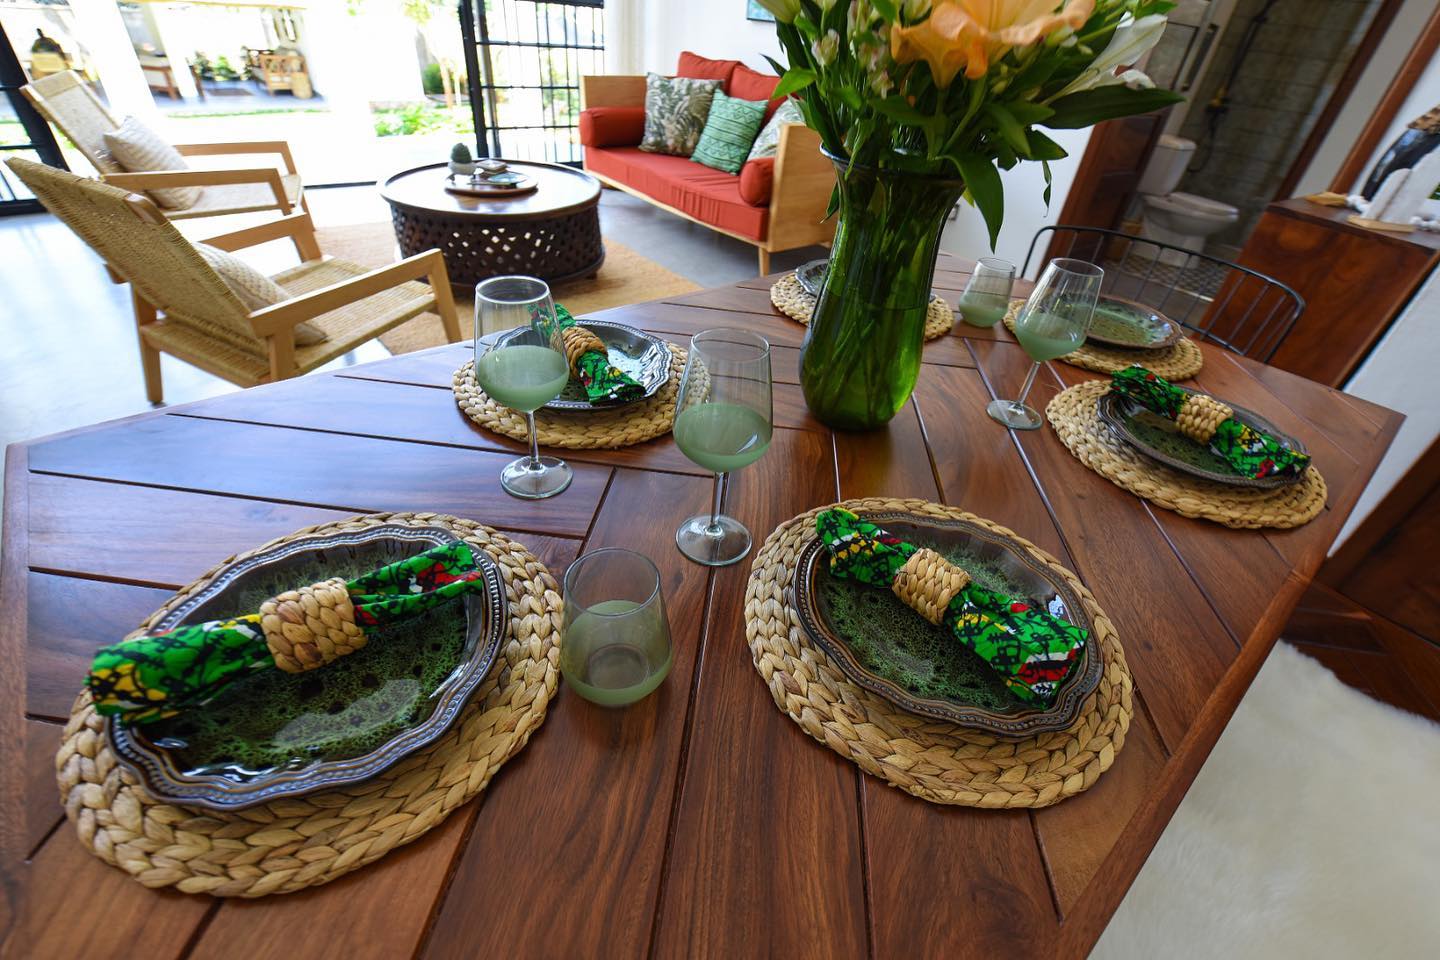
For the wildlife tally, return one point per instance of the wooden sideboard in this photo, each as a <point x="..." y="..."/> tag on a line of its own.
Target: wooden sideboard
<point x="1355" y="282"/>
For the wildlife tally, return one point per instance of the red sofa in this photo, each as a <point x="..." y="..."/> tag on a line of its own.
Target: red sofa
<point x="775" y="203"/>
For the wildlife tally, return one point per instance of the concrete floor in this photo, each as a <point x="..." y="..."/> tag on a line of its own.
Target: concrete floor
<point x="69" y="356"/>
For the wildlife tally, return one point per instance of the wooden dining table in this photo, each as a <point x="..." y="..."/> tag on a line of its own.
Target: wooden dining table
<point x="702" y="821"/>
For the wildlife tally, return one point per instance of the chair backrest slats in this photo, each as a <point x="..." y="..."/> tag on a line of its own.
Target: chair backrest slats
<point x="68" y="102"/>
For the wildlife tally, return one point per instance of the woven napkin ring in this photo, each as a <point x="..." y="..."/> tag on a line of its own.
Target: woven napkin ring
<point x="578" y="342"/>
<point x="1200" y="416"/>
<point x="310" y="627"/>
<point x="928" y="582"/>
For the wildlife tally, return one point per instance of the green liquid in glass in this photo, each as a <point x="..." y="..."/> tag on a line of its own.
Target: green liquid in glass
<point x="1037" y="336"/>
<point x="982" y="310"/>
<point x="615" y="660"/>
<point x="722" y="436"/>
<point x="524" y="377"/>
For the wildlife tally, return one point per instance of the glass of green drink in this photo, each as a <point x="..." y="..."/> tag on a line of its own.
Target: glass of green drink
<point x="1052" y="323"/>
<point x="987" y="293"/>
<point x="616" y="648"/>
<point x="524" y="373"/>
<point x="723" y="418"/>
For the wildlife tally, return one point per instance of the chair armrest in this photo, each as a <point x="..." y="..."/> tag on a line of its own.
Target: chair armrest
<point x="282" y="147"/>
<point x="804" y="178"/>
<point x="612" y="91"/>
<point x="283" y="316"/>
<point x="297" y="227"/>
<point x="152" y="179"/>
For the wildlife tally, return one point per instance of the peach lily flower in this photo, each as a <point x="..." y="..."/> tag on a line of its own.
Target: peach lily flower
<point x="971" y="34"/>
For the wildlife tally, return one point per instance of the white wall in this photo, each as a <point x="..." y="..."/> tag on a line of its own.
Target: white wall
<point x="712" y="28"/>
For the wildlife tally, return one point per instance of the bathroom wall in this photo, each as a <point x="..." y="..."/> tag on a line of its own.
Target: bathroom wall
<point x="1283" y="83"/>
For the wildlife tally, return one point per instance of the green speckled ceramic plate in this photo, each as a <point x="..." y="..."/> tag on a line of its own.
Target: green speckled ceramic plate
<point x="272" y="734"/>
<point x="890" y="650"/>
<point x="1159" y="439"/>
<point x="644" y="356"/>
<point x="1125" y="323"/>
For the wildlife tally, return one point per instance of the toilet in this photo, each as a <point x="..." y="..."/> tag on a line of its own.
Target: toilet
<point x="1173" y="217"/>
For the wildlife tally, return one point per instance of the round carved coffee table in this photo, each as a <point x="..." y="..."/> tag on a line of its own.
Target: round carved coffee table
<point x="552" y="232"/>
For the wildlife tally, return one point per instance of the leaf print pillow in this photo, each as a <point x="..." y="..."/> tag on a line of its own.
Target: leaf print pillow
<point x="675" y="112"/>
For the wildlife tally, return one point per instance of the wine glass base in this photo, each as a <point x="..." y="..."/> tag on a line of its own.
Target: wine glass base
<point x="536" y="481"/>
<point x="1014" y="414"/>
<point x="727" y="542"/>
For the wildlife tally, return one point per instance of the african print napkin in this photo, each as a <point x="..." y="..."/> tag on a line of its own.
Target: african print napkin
<point x="1032" y="651"/>
<point x="1202" y="418"/>
<point x="603" y="381"/>
<point x="148" y="678"/>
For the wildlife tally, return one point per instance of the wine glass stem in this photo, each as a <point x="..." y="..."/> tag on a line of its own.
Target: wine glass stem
<point x="534" y="441"/>
<point x="714" y="529"/>
<point x="1029" y="382"/>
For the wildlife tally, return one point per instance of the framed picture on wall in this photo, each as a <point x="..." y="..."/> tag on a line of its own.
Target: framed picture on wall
<point x="753" y="11"/>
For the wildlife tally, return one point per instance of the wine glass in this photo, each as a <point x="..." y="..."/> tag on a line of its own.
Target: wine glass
<point x="987" y="294"/>
<point x="1051" y="324"/>
<point x="723" y="421"/>
<point x="523" y="372"/>
<point x="617" y="638"/>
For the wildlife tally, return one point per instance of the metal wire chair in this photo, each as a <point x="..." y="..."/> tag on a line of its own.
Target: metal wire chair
<point x="1240" y="309"/>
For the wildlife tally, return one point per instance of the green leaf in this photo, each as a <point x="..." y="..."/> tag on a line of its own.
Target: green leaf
<point x="834" y="203"/>
<point x="1043" y="148"/>
<point x="1089" y="107"/>
<point x="796" y="78"/>
<point x="886" y="9"/>
<point x="779" y="70"/>
<point x="1009" y="128"/>
<point x="847" y="94"/>
<point x="1027" y="113"/>
<point x="899" y="110"/>
<point x="983" y="182"/>
<point x="1045" y="165"/>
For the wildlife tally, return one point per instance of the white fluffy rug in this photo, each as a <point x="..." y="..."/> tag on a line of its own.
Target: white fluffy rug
<point x="1312" y="831"/>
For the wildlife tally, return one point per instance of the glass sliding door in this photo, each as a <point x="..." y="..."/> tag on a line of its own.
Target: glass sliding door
<point x="23" y="133"/>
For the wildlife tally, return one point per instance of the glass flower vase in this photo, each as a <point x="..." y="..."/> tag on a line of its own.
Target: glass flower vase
<point x="861" y="354"/>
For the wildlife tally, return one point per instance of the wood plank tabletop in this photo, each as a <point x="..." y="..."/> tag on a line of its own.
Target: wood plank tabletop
<point x="702" y="821"/>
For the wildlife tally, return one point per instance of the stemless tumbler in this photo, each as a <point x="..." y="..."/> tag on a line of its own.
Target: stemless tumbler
<point x="987" y="293"/>
<point x="616" y="648"/>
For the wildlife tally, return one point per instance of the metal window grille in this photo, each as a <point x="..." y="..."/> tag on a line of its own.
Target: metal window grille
<point x="524" y="60"/>
<point x="37" y="142"/>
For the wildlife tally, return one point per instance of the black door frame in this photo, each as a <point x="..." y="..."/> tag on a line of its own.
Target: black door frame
<point x="42" y="141"/>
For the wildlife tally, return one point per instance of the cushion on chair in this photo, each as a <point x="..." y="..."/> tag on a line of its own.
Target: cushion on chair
<point x="750" y="84"/>
<point x="757" y="181"/>
<point x="767" y="144"/>
<point x="612" y="126"/>
<point x="696" y="67"/>
<point x="254" y="289"/>
<point x="710" y="196"/>
<point x="675" y="112"/>
<point x="139" y="149"/>
<point x="729" y="131"/>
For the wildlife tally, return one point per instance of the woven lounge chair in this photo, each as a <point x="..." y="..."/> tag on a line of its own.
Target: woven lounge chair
<point x="66" y="101"/>
<point x="184" y="308"/>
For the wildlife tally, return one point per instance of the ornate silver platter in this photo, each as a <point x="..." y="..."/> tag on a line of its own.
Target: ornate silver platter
<point x="812" y="276"/>
<point x="643" y="356"/>
<point x="272" y="734"/>
<point x="1124" y="323"/>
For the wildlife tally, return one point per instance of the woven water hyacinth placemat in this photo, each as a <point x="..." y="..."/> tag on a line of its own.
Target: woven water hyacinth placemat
<point x="1179" y="362"/>
<point x="288" y="845"/>
<point x="791" y="299"/>
<point x="1078" y="425"/>
<point x="600" y="429"/>
<point x="932" y="759"/>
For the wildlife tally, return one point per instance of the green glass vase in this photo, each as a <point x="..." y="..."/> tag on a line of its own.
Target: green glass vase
<point x="861" y="354"/>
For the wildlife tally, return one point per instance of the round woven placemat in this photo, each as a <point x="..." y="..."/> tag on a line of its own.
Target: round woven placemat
<point x="791" y="299"/>
<point x="931" y="759"/>
<point x="1179" y="362"/>
<point x="1073" y="415"/>
<point x="288" y="845"/>
<point x="603" y="429"/>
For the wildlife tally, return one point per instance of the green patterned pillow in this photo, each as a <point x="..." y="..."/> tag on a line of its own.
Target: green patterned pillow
<point x="729" y="132"/>
<point x="768" y="143"/>
<point x="675" y="112"/>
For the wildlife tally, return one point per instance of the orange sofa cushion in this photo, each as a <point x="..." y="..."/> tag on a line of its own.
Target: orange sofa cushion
<point x="710" y="196"/>
<point x="748" y="84"/>
<point x="696" y="67"/>
<point x="612" y="126"/>
<point x="757" y="179"/>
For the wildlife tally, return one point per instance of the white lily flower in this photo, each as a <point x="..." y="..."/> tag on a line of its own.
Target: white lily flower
<point x="826" y="48"/>
<point x="1131" y="41"/>
<point x="785" y="10"/>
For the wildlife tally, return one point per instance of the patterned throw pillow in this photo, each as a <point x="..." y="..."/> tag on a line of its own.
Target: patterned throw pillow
<point x="768" y="143"/>
<point x="139" y="149"/>
<point x="675" y="112"/>
<point x="255" y="290"/>
<point x="729" y="131"/>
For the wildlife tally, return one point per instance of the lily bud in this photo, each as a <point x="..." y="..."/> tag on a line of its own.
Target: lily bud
<point x="785" y="10"/>
<point x="826" y="48"/>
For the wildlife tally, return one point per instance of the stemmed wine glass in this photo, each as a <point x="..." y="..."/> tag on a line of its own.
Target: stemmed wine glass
<point x="987" y="293"/>
<point x="723" y="421"/>
<point x="1052" y="323"/>
<point x="523" y="372"/>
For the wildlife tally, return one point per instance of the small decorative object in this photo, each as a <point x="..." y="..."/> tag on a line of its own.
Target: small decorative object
<point x="489" y="167"/>
<point x="918" y="102"/>
<point x="461" y="163"/>
<point x="617" y="637"/>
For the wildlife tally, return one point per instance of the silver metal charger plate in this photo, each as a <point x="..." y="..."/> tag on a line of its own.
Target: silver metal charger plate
<point x="644" y="356"/>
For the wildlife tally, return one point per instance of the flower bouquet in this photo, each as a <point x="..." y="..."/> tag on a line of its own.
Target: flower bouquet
<point x="921" y="102"/>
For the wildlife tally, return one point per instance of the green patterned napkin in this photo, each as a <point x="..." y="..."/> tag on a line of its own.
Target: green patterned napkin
<point x="149" y="678"/>
<point x="1249" y="452"/>
<point x="1032" y="651"/>
<point x="603" y="381"/>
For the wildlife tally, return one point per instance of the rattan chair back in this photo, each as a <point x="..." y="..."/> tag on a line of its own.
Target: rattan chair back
<point x="1231" y="305"/>
<point x="131" y="234"/>
<point x="68" y="102"/>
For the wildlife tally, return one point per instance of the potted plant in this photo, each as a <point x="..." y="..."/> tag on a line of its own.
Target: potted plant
<point x="920" y="103"/>
<point x="461" y="163"/>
